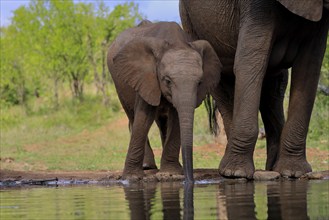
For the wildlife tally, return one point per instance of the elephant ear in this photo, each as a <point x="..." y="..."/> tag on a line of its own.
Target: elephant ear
<point x="309" y="9"/>
<point x="211" y="68"/>
<point x="135" y="64"/>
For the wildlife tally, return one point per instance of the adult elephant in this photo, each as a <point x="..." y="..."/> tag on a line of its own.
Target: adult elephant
<point x="257" y="41"/>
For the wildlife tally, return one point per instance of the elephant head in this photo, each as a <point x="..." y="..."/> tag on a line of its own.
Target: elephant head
<point x="309" y="9"/>
<point x="183" y="74"/>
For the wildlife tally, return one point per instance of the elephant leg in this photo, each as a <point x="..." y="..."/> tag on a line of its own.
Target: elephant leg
<point x="149" y="161"/>
<point x="171" y="145"/>
<point x="271" y="108"/>
<point x="250" y="66"/>
<point x="143" y="119"/>
<point x="224" y="98"/>
<point x="162" y="123"/>
<point x="304" y="80"/>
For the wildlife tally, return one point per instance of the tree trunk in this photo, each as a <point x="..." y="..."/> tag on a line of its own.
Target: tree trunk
<point x="77" y="88"/>
<point x="56" y="101"/>
<point x="106" y="98"/>
<point x="21" y="91"/>
<point x="221" y="137"/>
<point x="100" y="81"/>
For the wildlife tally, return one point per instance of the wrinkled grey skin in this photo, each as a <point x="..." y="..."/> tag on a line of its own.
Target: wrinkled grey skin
<point x="257" y="41"/>
<point x="161" y="76"/>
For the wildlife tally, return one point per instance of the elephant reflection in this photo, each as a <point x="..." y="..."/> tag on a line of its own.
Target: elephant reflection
<point x="291" y="202"/>
<point x="141" y="196"/>
<point x="139" y="199"/>
<point x="285" y="200"/>
<point x="235" y="200"/>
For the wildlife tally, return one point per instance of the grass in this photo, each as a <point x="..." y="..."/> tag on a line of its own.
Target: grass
<point x="88" y="136"/>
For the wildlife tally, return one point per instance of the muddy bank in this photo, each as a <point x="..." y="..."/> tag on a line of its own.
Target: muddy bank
<point x="98" y="176"/>
<point x="14" y="178"/>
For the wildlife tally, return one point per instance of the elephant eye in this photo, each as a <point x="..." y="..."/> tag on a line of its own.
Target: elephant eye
<point x="167" y="81"/>
<point x="199" y="83"/>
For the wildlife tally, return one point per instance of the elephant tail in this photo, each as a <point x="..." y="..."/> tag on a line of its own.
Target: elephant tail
<point x="211" y="110"/>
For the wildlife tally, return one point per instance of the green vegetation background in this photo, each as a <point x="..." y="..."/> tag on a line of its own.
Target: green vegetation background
<point x="58" y="101"/>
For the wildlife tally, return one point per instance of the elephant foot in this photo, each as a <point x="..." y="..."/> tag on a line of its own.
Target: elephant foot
<point x="149" y="166"/>
<point x="237" y="166"/>
<point x="172" y="168"/>
<point x="149" y="163"/>
<point x="291" y="167"/>
<point x="132" y="175"/>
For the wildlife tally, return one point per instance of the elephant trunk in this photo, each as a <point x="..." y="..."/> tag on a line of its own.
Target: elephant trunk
<point x="186" y="120"/>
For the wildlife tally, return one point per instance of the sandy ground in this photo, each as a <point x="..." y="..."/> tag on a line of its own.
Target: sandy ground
<point x="18" y="174"/>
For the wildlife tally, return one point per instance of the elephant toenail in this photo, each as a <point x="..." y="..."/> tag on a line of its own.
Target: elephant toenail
<point x="239" y="173"/>
<point x="298" y="174"/>
<point x="286" y="173"/>
<point x="228" y="172"/>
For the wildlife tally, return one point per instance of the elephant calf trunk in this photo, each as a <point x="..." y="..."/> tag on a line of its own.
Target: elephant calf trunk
<point x="186" y="119"/>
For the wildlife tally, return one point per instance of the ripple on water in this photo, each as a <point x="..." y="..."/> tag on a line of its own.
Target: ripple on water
<point x="207" y="199"/>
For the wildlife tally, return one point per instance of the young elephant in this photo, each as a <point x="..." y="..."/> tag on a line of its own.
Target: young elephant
<point x="161" y="76"/>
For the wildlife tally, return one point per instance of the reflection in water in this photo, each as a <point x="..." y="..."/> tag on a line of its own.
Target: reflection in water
<point x="170" y="201"/>
<point x="234" y="200"/>
<point x="139" y="200"/>
<point x="224" y="200"/>
<point x="140" y="197"/>
<point x="188" y="201"/>
<point x="287" y="200"/>
<point x="237" y="201"/>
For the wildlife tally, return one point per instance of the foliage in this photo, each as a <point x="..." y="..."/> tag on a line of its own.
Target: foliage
<point x="50" y="42"/>
<point x="324" y="80"/>
<point x="87" y="136"/>
<point x="319" y="125"/>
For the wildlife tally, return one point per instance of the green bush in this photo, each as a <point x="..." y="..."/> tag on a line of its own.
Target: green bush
<point x="318" y="133"/>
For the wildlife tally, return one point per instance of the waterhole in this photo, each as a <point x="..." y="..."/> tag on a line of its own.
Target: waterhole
<point x="298" y="199"/>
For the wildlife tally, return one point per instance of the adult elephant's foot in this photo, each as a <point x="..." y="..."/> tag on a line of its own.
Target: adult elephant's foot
<point x="237" y="166"/>
<point x="132" y="175"/>
<point x="292" y="167"/>
<point x="171" y="167"/>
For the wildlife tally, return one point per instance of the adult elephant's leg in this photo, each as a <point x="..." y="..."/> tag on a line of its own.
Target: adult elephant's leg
<point x="171" y="146"/>
<point x="143" y="119"/>
<point x="304" y="80"/>
<point x="271" y="108"/>
<point x="250" y="65"/>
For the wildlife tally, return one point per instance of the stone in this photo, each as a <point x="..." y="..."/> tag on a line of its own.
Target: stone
<point x="317" y="175"/>
<point x="262" y="175"/>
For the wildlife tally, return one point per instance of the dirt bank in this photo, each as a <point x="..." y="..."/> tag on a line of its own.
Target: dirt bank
<point x="8" y="177"/>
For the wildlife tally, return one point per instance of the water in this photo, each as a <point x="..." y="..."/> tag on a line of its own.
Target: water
<point x="221" y="200"/>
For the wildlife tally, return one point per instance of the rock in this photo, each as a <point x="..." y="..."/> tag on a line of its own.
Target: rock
<point x="317" y="175"/>
<point x="263" y="175"/>
<point x="167" y="177"/>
